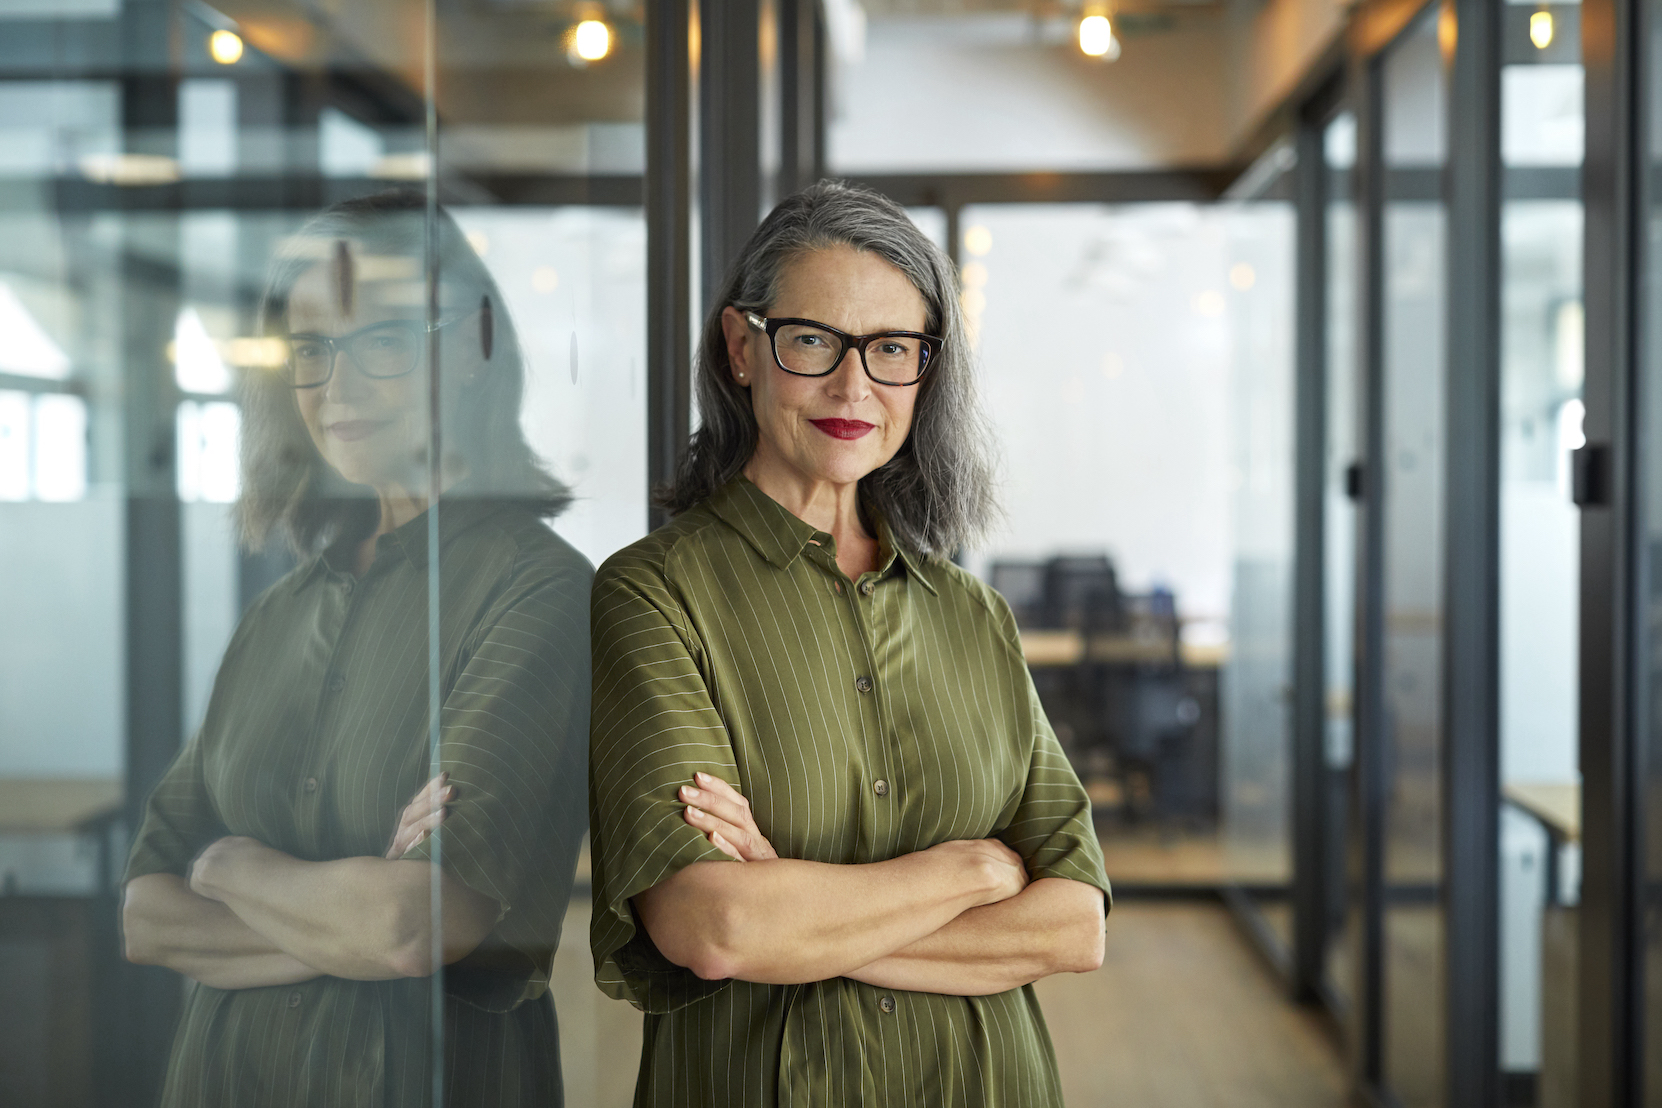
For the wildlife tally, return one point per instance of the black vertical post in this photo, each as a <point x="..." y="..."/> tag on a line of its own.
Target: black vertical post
<point x="1309" y="826"/>
<point x="668" y="202"/>
<point x="1610" y="964"/>
<point x="1369" y="769"/>
<point x="801" y="94"/>
<point x="1471" y="563"/>
<point x="729" y="128"/>
<point x="133" y="1059"/>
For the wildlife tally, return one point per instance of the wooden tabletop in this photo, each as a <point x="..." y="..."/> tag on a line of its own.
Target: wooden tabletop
<point x="1065" y="648"/>
<point x="1556" y="804"/>
<point x="54" y="804"/>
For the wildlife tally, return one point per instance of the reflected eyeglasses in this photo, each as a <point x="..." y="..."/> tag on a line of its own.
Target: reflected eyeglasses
<point x="380" y="351"/>
<point x="808" y="348"/>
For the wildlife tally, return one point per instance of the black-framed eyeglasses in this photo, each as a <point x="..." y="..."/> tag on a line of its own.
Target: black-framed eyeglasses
<point x="809" y="348"/>
<point x="383" y="350"/>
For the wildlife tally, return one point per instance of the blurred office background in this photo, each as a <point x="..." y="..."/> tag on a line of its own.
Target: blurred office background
<point x="1324" y="417"/>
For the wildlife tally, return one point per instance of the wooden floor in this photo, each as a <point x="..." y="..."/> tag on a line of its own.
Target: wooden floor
<point x="1182" y="1014"/>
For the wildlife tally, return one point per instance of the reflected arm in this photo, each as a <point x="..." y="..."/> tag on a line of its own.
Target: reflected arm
<point x="165" y="924"/>
<point x="367" y="919"/>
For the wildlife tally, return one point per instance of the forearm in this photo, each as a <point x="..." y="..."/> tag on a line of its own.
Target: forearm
<point x="366" y="919"/>
<point x="165" y="924"/>
<point x="1052" y="926"/>
<point x="785" y="921"/>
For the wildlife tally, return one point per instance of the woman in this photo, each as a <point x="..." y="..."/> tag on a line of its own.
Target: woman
<point x="283" y="866"/>
<point x="835" y="840"/>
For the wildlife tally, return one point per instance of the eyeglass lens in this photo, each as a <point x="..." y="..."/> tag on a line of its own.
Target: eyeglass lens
<point x="390" y="350"/>
<point x="893" y="359"/>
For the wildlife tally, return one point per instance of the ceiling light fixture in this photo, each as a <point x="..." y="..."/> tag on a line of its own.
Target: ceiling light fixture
<point x="1540" y="29"/>
<point x="225" y="47"/>
<point x="1096" y="38"/>
<point x="591" y="40"/>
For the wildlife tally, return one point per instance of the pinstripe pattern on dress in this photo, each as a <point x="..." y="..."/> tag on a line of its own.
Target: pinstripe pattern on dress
<point x="315" y="739"/>
<point x="729" y="642"/>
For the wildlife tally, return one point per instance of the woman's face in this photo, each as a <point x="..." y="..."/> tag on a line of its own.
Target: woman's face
<point x="374" y="430"/>
<point x="840" y="427"/>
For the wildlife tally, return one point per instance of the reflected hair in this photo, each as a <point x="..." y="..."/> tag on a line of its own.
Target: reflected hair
<point x="937" y="491"/>
<point x="288" y="489"/>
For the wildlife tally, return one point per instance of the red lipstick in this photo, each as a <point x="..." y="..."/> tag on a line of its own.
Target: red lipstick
<point x="351" y="430"/>
<point x="843" y="428"/>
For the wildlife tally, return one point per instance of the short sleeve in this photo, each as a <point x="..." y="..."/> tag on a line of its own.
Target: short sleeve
<point x="654" y="727"/>
<point x="514" y="738"/>
<point x="179" y="819"/>
<point x="1051" y="826"/>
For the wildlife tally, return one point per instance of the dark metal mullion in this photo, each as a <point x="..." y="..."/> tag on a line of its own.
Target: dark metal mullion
<point x="1610" y="965"/>
<point x="137" y="1025"/>
<point x="1310" y="834"/>
<point x="1471" y="564"/>
<point x="1367" y="837"/>
<point x="729" y="136"/>
<point x="668" y="202"/>
<point x="819" y="88"/>
<point x="788" y="21"/>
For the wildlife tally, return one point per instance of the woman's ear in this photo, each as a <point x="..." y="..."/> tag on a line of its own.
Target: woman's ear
<point x="737" y="333"/>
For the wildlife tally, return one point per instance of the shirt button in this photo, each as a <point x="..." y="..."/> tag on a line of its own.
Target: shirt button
<point x="886" y="1005"/>
<point x="348" y="585"/>
<point x="866" y="587"/>
<point x="863" y="684"/>
<point x="880" y="787"/>
<point x="337" y="683"/>
<point x="311" y="787"/>
<point x="294" y="1001"/>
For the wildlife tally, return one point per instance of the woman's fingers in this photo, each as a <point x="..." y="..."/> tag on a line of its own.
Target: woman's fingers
<point x="411" y="834"/>
<point x="424" y="812"/>
<point x="720" y="799"/>
<point x="741" y="843"/>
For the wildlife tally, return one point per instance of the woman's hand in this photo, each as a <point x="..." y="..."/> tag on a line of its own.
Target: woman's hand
<point x="213" y="867"/>
<point x="1005" y="871"/>
<point x="421" y="815"/>
<point x="723" y="815"/>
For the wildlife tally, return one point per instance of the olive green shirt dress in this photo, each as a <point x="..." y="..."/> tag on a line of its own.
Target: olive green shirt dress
<point x="864" y="720"/>
<point x="315" y="739"/>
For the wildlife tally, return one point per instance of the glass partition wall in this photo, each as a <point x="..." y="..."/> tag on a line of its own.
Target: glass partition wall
<point x="322" y="347"/>
<point x="1411" y="487"/>
<point x="1151" y="589"/>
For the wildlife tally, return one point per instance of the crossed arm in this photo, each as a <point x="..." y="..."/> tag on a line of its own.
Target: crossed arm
<point x="250" y="916"/>
<point x="958" y="918"/>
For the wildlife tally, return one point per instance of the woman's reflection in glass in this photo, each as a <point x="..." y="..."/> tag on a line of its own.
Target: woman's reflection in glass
<point x="286" y="862"/>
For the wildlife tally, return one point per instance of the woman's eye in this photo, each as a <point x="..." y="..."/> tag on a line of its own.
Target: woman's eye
<point x="307" y="351"/>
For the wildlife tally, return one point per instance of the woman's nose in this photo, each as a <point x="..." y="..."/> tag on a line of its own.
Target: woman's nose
<point x="849" y="381"/>
<point x="345" y="382"/>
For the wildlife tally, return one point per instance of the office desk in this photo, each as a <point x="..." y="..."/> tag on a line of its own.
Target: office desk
<point x="55" y="805"/>
<point x="1556" y="805"/>
<point x="1067" y="648"/>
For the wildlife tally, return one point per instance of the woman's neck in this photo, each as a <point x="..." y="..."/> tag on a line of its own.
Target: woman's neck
<point x="827" y="506"/>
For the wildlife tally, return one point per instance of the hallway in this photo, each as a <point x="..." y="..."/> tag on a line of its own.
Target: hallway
<point x="1182" y="1014"/>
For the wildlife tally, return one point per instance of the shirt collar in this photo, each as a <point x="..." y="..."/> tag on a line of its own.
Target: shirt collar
<point x="409" y="540"/>
<point x="780" y="537"/>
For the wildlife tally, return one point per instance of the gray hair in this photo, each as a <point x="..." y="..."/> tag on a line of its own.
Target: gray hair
<point x="937" y="491"/>
<point x="287" y="487"/>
